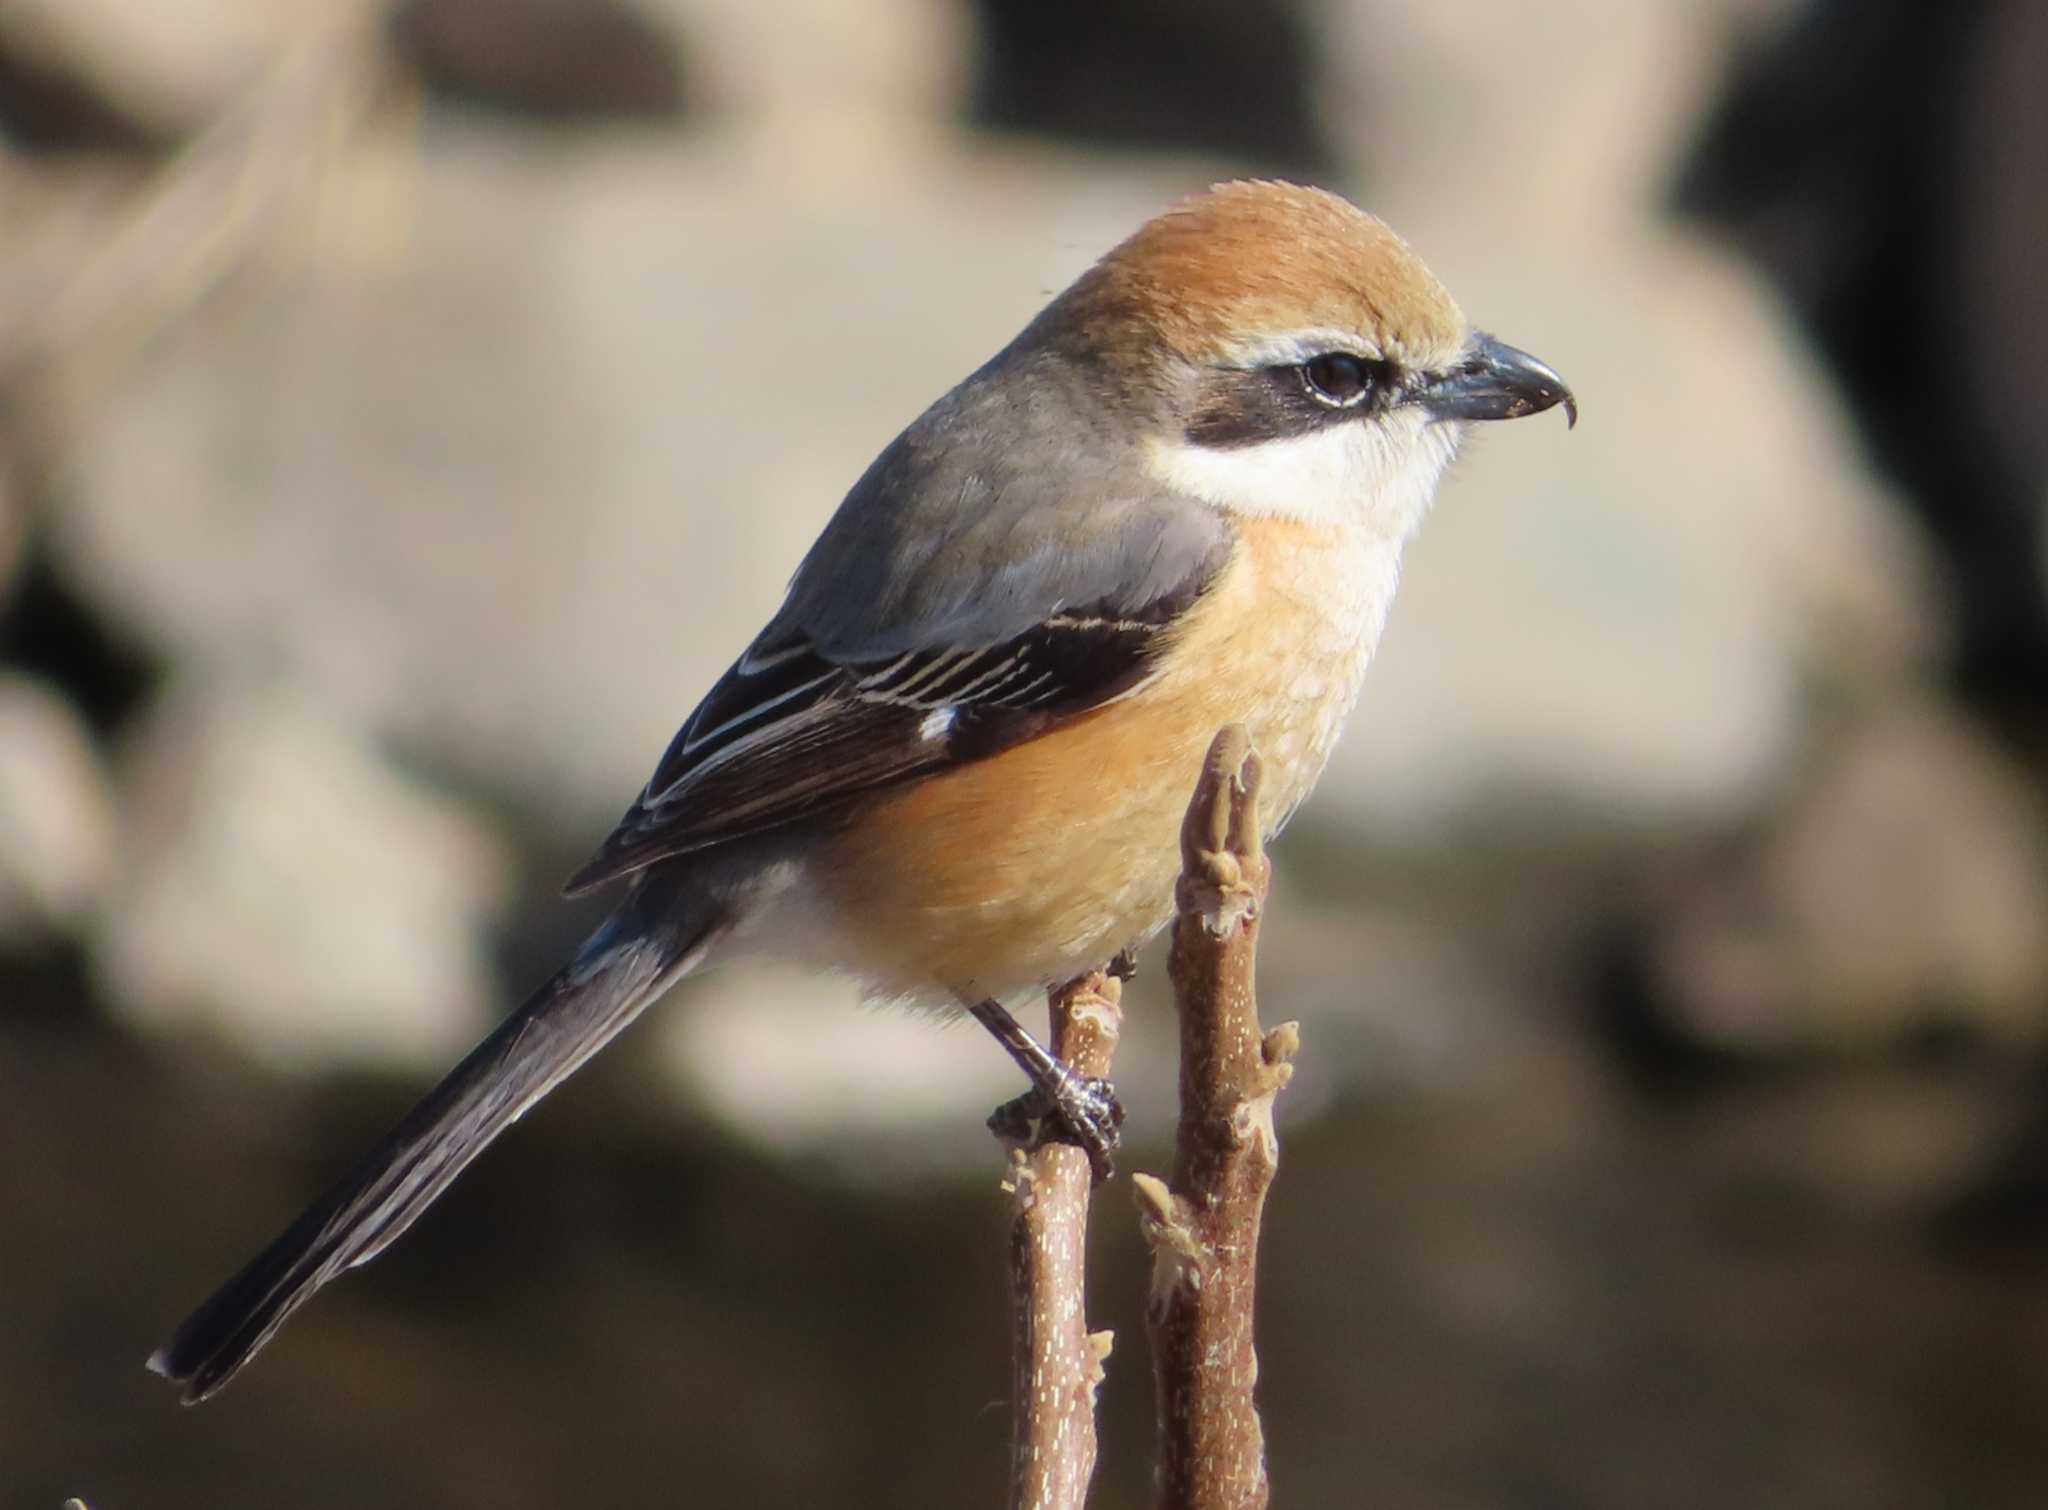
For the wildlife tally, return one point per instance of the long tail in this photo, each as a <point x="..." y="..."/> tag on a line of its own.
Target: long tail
<point x="653" y="940"/>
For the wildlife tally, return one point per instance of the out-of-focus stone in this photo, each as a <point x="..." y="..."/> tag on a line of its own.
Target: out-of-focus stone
<point x="519" y="495"/>
<point x="516" y="490"/>
<point x="555" y="59"/>
<point x="784" y="1059"/>
<point x="55" y="221"/>
<point x="285" y="885"/>
<point x="1613" y="624"/>
<point x="170" y="64"/>
<point x="819" y="59"/>
<point x="523" y="495"/>
<point x="555" y="438"/>
<point x="1906" y="887"/>
<point x="1912" y="229"/>
<point x="56" y="814"/>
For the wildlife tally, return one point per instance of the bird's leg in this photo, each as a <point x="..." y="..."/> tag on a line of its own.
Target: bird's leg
<point x="1061" y="1106"/>
<point x="1123" y="965"/>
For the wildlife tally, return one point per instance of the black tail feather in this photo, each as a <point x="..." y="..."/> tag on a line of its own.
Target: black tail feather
<point x="624" y="966"/>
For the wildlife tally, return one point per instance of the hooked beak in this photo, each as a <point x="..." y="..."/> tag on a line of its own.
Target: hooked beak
<point x="1495" y="381"/>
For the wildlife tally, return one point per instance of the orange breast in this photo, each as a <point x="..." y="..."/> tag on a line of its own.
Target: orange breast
<point x="1041" y="862"/>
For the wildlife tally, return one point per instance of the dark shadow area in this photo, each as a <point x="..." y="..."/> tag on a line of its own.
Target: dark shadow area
<point x="553" y="61"/>
<point x="48" y="631"/>
<point x="1568" y="1293"/>
<point x="45" y="109"/>
<point x="1880" y="160"/>
<point x="1155" y="75"/>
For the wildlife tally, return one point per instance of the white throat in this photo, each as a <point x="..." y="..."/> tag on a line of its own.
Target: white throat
<point x="1377" y="474"/>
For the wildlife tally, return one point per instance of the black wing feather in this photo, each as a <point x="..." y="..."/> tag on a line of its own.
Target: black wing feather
<point x="787" y="735"/>
<point x="995" y="571"/>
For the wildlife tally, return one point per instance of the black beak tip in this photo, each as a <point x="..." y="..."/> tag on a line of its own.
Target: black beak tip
<point x="1523" y="405"/>
<point x="1535" y="385"/>
<point x="1496" y="381"/>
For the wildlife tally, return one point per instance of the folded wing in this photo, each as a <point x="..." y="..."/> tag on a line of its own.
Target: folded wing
<point x="957" y="604"/>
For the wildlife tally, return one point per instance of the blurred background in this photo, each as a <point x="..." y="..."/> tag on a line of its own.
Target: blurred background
<point x="405" y="412"/>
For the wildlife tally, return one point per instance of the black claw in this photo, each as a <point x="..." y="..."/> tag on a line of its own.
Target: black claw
<point x="1095" y="1121"/>
<point x="1078" y="1111"/>
<point x="1061" y="1106"/>
<point x="1125" y="965"/>
<point x="1017" y="1120"/>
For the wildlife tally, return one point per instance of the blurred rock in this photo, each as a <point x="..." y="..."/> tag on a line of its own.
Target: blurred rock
<point x="553" y="483"/>
<point x="555" y="59"/>
<point x="1904" y="889"/>
<point x="514" y="490"/>
<point x="515" y="496"/>
<point x="1613" y="625"/>
<point x="1882" y="161"/>
<point x="520" y="494"/>
<point x="168" y="65"/>
<point x="55" y="222"/>
<point x="107" y="254"/>
<point x="287" y="886"/>
<point x="820" y="61"/>
<point x="783" y="1059"/>
<point x="56" y="814"/>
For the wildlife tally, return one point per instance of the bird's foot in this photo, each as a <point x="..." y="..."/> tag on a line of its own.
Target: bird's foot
<point x="1061" y="1106"/>
<point x="1083" y="1112"/>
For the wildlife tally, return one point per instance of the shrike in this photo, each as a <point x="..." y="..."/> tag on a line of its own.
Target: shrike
<point x="953" y="765"/>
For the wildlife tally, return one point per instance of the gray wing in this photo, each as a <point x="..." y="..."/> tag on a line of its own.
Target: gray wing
<point x="958" y="603"/>
<point x="949" y="538"/>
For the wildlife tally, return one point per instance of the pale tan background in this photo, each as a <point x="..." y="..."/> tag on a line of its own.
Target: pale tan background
<point x="407" y="416"/>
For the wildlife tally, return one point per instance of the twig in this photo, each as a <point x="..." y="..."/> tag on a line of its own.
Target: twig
<point x="1204" y="1230"/>
<point x="1058" y="1361"/>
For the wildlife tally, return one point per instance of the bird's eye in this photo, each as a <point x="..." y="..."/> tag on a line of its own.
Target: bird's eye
<point x="1337" y="378"/>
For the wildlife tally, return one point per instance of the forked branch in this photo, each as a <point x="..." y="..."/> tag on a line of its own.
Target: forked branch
<point x="1204" y="1228"/>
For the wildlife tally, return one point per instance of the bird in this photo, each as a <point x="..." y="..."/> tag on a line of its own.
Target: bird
<point x="953" y="764"/>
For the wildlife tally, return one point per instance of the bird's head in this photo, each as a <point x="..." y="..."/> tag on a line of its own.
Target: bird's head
<point x="1289" y="354"/>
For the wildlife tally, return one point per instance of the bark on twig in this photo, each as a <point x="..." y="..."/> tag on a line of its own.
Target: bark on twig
<point x="1057" y="1360"/>
<point x="1204" y="1229"/>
